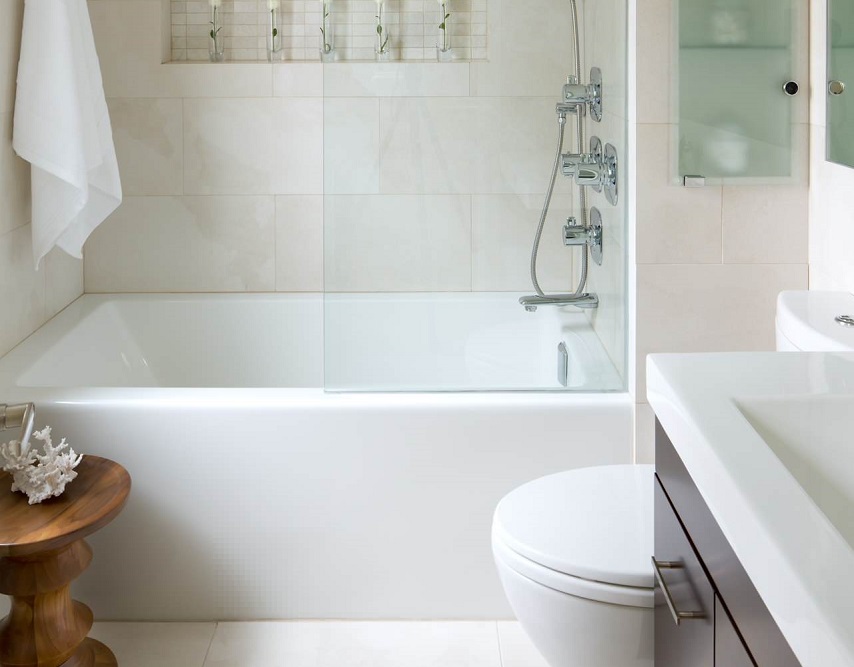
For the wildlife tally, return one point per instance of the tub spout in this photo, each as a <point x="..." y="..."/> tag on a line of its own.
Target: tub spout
<point x="585" y="301"/>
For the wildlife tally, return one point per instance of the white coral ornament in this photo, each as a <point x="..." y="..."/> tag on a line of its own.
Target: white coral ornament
<point x="39" y="476"/>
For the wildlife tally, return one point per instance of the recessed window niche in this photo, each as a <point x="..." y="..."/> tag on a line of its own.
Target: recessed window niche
<point x="412" y="28"/>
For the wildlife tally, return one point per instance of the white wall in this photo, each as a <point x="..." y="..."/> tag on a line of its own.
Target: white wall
<point x="831" y="185"/>
<point x="29" y="297"/>
<point x="710" y="261"/>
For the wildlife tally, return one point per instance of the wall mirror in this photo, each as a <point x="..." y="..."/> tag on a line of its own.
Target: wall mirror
<point x="840" y="78"/>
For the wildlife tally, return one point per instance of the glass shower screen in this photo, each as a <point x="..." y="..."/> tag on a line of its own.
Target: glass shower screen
<point x="434" y="177"/>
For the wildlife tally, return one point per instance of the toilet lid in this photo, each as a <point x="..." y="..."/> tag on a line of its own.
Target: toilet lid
<point x="593" y="523"/>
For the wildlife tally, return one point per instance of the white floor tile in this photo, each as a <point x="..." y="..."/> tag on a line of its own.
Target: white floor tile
<point x="355" y="644"/>
<point x="156" y="644"/>
<point x="516" y="649"/>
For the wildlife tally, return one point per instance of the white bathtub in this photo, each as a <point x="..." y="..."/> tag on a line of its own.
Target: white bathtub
<point x="258" y="495"/>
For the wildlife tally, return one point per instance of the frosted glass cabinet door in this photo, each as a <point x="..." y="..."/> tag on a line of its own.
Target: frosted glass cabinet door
<point x="738" y="121"/>
<point x="840" y="70"/>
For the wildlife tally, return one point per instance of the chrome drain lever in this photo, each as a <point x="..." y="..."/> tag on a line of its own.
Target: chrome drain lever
<point x="563" y="364"/>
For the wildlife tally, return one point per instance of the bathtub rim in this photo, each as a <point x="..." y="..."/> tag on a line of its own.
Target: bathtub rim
<point x="17" y="360"/>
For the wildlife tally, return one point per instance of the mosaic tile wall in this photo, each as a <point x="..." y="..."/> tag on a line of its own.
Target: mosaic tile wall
<point x="411" y="24"/>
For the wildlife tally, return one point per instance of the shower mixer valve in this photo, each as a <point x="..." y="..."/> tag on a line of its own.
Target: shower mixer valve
<point x="579" y="96"/>
<point x="596" y="169"/>
<point x="590" y="235"/>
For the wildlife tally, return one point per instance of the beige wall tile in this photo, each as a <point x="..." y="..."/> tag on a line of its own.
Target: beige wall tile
<point x="831" y="230"/>
<point x="397" y="243"/>
<point x="709" y="308"/>
<point x="644" y="434"/>
<point x="253" y="146"/>
<point x="15" y="206"/>
<point x="655" y="31"/>
<point x="529" y="49"/>
<point x="831" y="220"/>
<point x="765" y="224"/>
<point x="184" y="244"/>
<point x="148" y="134"/>
<point x="300" y="154"/>
<point x="604" y="41"/>
<point x="299" y="243"/>
<point x="503" y="228"/>
<point x="298" y="79"/>
<point x="231" y="146"/>
<point x="675" y="224"/>
<point x="431" y="145"/>
<point x="11" y="21"/>
<point x="127" y="35"/>
<point x="396" y="79"/>
<point x="609" y="320"/>
<point x="466" y="145"/>
<point x="23" y="288"/>
<point x="26" y="303"/>
<point x="818" y="61"/>
<point x="63" y="280"/>
<point x="351" y="145"/>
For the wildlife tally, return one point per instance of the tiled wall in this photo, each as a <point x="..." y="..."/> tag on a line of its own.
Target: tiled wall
<point x="710" y="261"/>
<point x="412" y="26"/>
<point x="223" y="165"/>
<point x="29" y="297"/>
<point x="832" y="185"/>
<point x="433" y="173"/>
<point x="605" y="46"/>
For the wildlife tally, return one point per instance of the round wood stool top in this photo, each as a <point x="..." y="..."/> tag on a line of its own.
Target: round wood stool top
<point x="89" y="503"/>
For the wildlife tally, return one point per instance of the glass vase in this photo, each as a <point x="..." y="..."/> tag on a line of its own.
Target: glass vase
<point x="327" y="34"/>
<point x="383" y="52"/>
<point x="216" y="43"/>
<point x="443" y="38"/>
<point x="274" y="35"/>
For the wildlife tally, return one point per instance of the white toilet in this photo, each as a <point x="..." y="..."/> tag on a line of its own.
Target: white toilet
<point x="815" y="322"/>
<point x="573" y="549"/>
<point x="573" y="553"/>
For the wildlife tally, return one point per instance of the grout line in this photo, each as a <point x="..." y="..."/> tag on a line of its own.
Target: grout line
<point x="500" y="652"/>
<point x="275" y="243"/>
<point x="723" y="259"/>
<point x="210" y="643"/>
<point x="471" y="243"/>
<point x="183" y="149"/>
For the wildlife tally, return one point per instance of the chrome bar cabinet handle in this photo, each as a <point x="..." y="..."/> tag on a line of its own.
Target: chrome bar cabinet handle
<point x="678" y="616"/>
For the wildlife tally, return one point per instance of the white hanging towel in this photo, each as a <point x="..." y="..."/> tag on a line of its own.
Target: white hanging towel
<point x="62" y="127"/>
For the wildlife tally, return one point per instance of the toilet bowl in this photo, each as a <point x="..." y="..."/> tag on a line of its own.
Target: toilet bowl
<point x="573" y="554"/>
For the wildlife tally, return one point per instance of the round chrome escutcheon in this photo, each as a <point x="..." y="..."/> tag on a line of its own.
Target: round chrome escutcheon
<point x="845" y="320"/>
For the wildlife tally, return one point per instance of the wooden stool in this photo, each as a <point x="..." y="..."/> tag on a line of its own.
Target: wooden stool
<point x="41" y="552"/>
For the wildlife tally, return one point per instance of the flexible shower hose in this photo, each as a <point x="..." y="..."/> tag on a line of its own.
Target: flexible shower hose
<point x="535" y="251"/>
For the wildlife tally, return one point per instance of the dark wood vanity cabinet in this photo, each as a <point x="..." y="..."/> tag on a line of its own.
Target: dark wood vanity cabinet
<point x="729" y="649"/>
<point x="722" y="621"/>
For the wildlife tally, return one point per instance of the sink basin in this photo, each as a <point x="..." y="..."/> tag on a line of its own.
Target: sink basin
<point x="813" y="436"/>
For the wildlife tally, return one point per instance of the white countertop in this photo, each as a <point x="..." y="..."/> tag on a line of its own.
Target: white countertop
<point x="791" y="542"/>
